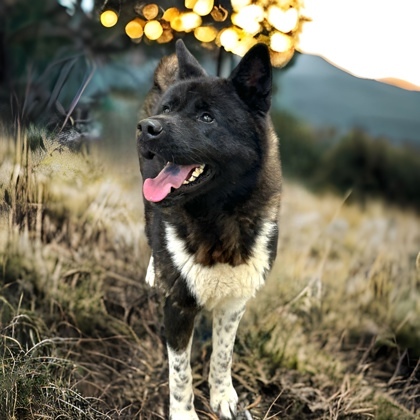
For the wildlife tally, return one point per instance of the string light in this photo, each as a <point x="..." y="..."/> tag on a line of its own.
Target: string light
<point x="150" y="11"/>
<point x="110" y="13"/>
<point x="229" y="38"/>
<point x="272" y="22"/>
<point x="170" y="14"/>
<point x="280" y="42"/>
<point x="205" y="33"/>
<point x="109" y="18"/>
<point x="186" y="22"/>
<point x="203" y="7"/>
<point x="167" y="36"/>
<point x="284" y="21"/>
<point x="153" y="30"/>
<point x="189" y="4"/>
<point x="244" y="44"/>
<point x="239" y="4"/>
<point x="248" y="18"/>
<point x="134" y="28"/>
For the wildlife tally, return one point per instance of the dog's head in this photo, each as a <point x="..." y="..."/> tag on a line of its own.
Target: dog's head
<point x="204" y="133"/>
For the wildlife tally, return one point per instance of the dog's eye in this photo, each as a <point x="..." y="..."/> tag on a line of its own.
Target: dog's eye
<point x="166" y="109"/>
<point x="206" y="117"/>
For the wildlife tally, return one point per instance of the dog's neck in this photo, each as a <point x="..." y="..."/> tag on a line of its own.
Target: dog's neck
<point x="218" y="233"/>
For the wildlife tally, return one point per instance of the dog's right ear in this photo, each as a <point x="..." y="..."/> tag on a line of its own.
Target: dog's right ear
<point x="188" y="66"/>
<point x="166" y="74"/>
<point x="179" y="66"/>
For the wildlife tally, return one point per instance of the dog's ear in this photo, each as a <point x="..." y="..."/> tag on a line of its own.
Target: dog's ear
<point x="188" y="66"/>
<point x="166" y="74"/>
<point x="179" y="66"/>
<point x="252" y="78"/>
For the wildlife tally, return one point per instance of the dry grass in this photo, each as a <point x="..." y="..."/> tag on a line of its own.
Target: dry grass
<point x="81" y="334"/>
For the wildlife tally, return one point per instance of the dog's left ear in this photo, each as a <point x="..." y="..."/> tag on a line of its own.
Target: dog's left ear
<point x="188" y="66"/>
<point x="252" y="78"/>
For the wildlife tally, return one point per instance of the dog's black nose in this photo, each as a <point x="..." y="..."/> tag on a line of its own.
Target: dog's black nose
<point x="150" y="128"/>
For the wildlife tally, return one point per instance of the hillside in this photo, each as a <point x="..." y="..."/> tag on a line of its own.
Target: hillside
<point x="323" y="95"/>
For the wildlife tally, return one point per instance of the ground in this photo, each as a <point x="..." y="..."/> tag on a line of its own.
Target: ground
<point x="334" y="334"/>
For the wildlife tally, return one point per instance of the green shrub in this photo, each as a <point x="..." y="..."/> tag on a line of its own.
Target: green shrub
<point x="372" y="167"/>
<point x="300" y="150"/>
<point x="369" y="167"/>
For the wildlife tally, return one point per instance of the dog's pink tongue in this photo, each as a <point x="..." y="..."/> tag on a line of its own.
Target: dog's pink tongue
<point x="171" y="176"/>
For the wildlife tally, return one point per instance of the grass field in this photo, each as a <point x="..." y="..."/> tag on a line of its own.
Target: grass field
<point x="335" y="333"/>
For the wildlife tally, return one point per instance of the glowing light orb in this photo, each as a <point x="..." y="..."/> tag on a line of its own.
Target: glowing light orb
<point x="203" y="7"/>
<point x="205" y="33"/>
<point x="283" y="20"/>
<point x="239" y="4"/>
<point x="153" y="30"/>
<point x="186" y="22"/>
<point x="229" y="38"/>
<point x="166" y="36"/>
<point x="189" y="4"/>
<point x="280" y="42"/>
<point x="170" y="14"/>
<point x="248" y="18"/>
<point x="150" y="11"/>
<point x="243" y="46"/>
<point x="134" y="28"/>
<point x="109" y="18"/>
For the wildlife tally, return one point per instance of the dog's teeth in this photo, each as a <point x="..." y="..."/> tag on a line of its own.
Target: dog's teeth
<point x="196" y="173"/>
<point x="199" y="170"/>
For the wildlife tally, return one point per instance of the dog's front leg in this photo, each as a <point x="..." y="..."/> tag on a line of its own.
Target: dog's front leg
<point x="179" y="325"/>
<point x="226" y="318"/>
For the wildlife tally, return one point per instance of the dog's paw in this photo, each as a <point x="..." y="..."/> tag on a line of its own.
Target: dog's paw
<point x="150" y="274"/>
<point x="224" y="402"/>
<point x="183" y="415"/>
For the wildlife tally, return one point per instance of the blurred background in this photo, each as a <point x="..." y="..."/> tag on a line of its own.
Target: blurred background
<point x="62" y="70"/>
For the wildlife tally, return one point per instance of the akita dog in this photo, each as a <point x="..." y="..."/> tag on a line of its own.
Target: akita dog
<point x="211" y="170"/>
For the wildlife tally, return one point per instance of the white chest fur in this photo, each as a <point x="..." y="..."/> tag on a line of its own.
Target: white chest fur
<point x="210" y="285"/>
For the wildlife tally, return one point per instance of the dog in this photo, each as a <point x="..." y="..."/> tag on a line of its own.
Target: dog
<point x="210" y="164"/>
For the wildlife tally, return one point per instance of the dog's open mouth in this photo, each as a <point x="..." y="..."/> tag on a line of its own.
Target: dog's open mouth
<point x="172" y="176"/>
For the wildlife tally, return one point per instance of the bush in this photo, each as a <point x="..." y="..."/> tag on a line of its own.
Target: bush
<point x="372" y="167"/>
<point x="300" y="150"/>
<point x="369" y="167"/>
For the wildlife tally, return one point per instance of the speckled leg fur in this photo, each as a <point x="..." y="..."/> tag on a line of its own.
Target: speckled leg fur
<point x="226" y="318"/>
<point x="181" y="398"/>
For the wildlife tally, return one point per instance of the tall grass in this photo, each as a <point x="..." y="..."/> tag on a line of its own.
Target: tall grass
<point x="333" y="335"/>
<point x="65" y="238"/>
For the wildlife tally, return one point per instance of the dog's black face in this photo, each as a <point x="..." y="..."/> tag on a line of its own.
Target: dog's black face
<point x="206" y="133"/>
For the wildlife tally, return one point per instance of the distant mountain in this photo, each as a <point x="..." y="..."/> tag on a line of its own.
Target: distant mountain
<point x="323" y="95"/>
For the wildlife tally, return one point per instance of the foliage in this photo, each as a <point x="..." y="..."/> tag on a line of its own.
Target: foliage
<point x="50" y="60"/>
<point x="356" y="162"/>
<point x="373" y="167"/>
<point x="300" y="149"/>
